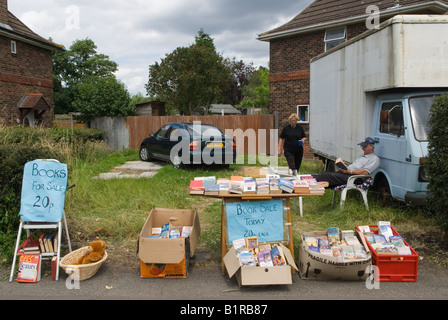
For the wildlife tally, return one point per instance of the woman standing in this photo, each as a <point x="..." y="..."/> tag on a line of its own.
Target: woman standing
<point x="291" y="142"/>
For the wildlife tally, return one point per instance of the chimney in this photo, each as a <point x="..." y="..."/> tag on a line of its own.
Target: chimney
<point x="4" y="12"/>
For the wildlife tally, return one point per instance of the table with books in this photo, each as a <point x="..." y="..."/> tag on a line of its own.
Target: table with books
<point x="245" y="197"/>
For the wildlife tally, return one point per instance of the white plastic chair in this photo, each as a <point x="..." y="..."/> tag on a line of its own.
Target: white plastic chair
<point x="351" y="186"/>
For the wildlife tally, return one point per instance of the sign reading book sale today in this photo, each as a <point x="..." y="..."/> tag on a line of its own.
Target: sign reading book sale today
<point x="263" y="219"/>
<point x="43" y="191"/>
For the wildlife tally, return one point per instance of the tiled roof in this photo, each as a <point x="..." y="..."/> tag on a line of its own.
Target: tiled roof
<point x="327" y="11"/>
<point x="21" y="30"/>
<point x="33" y="101"/>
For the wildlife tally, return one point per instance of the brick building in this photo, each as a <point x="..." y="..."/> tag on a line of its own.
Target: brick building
<point x="321" y="26"/>
<point x="26" y="73"/>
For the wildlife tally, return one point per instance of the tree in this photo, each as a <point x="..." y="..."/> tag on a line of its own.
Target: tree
<point x="99" y="97"/>
<point x="240" y="74"/>
<point x="73" y="66"/>
<point x="189" y="78"/>
<point x="436" y="164"/>
<point x="256" y="93"/>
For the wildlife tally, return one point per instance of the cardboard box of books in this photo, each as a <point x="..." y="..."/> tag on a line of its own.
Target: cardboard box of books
<point x="334" y="255"/>
<point x="167" y="241"/>
<point x="254" y="263"/>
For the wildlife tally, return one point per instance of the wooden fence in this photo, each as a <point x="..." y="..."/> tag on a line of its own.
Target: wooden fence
<point x="244" y="128"/>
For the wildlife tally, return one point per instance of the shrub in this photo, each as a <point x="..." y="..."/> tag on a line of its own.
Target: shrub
<point x="436" y="164"/>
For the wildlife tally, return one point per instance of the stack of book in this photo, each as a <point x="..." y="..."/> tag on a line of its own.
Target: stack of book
<point x="252" y="253"/>
<point x="223" y="186"/>
<point x="236" y="184"/>
<point x="169" y="231"/>
<point x="47" y="243"/>
<point x="262" y="185"/>
<point x="385" y="242"/>
<point x="286" y="185"/>
<point x="270" y="184"/>
<point x="315" y="187"/>
<point x="274" y="183"/>
<point x="343" y="245"/>
<point x="249" y="185"/>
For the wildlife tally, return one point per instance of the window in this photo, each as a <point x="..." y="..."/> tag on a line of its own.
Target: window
<point x="13" y="47"/>
<point x="162" y="131"/>
<point x="420" y="108"/>
<point x="391" y="119"/>
<point x="334" y="37"/>
<point x="302" y="112"/>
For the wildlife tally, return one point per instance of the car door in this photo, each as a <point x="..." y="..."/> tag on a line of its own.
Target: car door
<point x="158" y="142"/>
<point x="391" y="145"/>
<point x="171" y="139"/>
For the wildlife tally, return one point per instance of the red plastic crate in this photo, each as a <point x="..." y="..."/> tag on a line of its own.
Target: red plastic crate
<point x="394" y="267"/>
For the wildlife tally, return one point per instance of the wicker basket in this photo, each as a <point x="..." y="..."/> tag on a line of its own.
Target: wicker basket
<point x="86" y="271"/>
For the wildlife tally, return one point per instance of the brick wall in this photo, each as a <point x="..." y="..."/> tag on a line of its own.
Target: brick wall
<point x="27" y="71"/>
<point x="290" y="72"/>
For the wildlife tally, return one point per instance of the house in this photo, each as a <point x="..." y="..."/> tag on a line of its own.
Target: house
<point x="150" y="108"/>
<point x="26" y="73"/>
<point x="321" y="26"/>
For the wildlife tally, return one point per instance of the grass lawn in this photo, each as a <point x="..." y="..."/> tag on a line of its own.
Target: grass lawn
<point x="115" y="210"/>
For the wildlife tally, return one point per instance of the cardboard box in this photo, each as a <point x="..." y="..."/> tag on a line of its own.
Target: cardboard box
<point x="163" y="257"/>
<point x="318" y="266"/>
<point x="394" y="267"/>
<point x="255" y="275"/>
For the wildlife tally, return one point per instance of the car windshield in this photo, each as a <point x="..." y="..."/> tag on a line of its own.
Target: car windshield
<point x="204" y="130"/>
<point x="420" y="108"/>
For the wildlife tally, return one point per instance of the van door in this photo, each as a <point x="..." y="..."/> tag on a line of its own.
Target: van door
<point x="392" y="147"/>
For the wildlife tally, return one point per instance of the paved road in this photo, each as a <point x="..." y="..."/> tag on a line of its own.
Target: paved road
<point x="204" y="283"/>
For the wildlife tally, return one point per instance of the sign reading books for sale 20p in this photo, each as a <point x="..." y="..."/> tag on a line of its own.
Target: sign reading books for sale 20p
<point x="43" y="191"/>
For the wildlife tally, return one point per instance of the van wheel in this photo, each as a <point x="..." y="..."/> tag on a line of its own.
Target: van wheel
<point x="383" y="189"/>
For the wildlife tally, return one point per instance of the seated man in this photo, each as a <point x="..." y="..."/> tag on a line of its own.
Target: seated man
<point x="366" y="164"/>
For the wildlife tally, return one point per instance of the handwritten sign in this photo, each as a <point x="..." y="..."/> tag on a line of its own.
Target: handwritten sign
<point x="263" y="219"/>
<point x="43" y="191"/>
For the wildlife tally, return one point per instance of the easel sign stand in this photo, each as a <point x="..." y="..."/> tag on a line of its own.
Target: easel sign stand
<point x="42" y="203"/>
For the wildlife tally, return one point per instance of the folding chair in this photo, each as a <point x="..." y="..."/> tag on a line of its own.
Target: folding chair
<point x="42" y="203"/>
<point x="362" y="188"/>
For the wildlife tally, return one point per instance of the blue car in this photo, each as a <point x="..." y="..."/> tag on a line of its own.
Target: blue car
<point x="189" y="143"/>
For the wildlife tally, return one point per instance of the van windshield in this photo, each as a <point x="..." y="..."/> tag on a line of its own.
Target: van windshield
<point x="420" y="108"/>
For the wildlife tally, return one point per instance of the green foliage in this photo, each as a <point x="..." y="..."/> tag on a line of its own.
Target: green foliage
<point x="190" y="77"/>
<point x="256" y="93"/>
<point x="32" y="136"/>
<point x="100" y="97"/>
<point x="436" y="164"/>
<point x="80" y="63"/>
<point x="241" y="74"/>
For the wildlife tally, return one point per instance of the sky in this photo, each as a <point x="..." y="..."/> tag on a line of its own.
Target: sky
<point x="137" y="33"/>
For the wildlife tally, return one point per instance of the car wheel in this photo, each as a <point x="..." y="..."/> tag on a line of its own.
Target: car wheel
<point x="177" y="162"/>
<point x="144" y="154"/>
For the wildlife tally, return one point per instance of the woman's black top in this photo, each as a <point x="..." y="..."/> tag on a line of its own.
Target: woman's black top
<point x="291" y="137"/>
